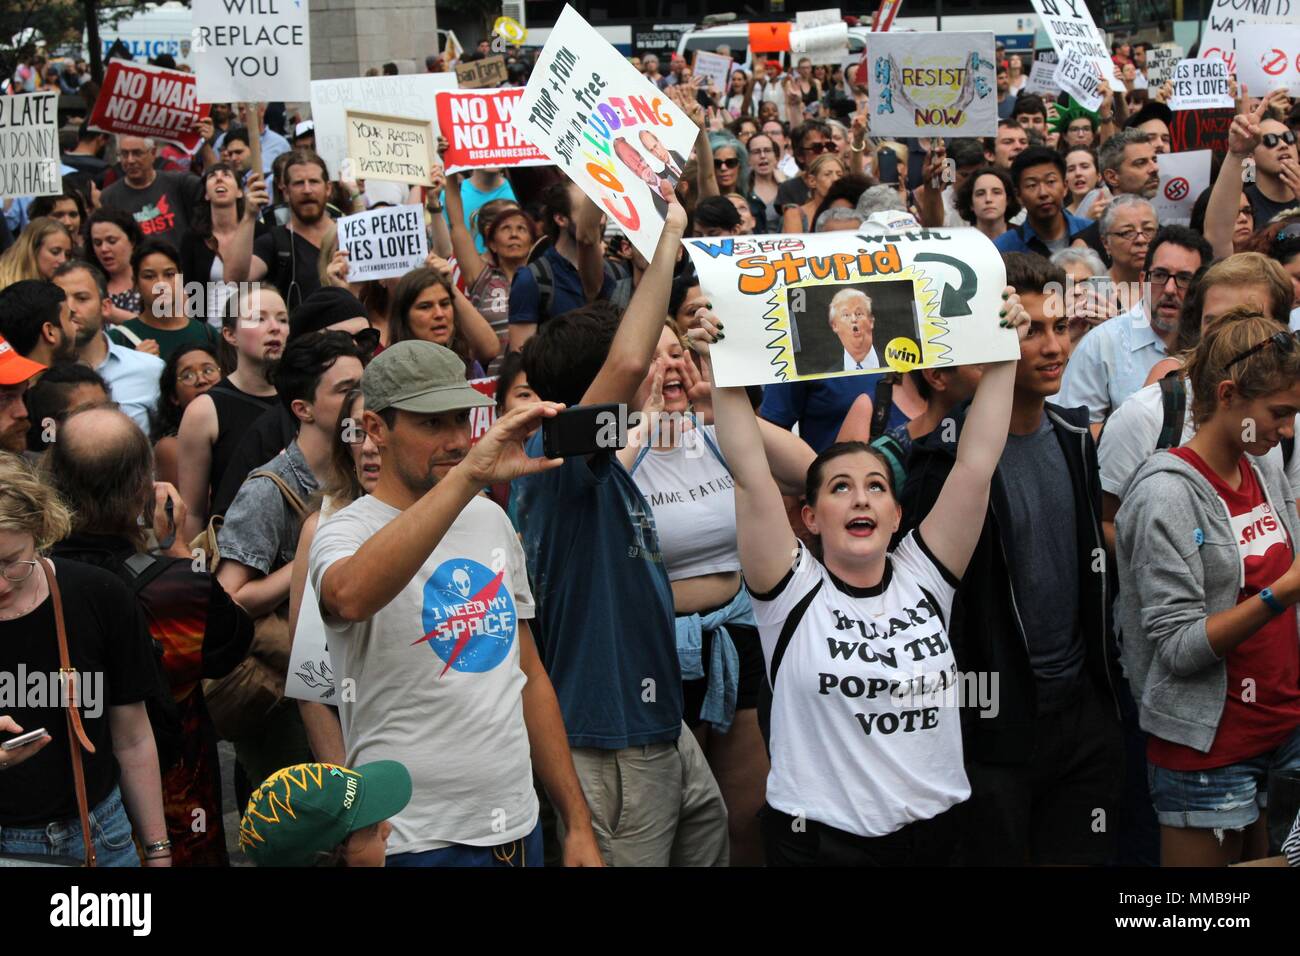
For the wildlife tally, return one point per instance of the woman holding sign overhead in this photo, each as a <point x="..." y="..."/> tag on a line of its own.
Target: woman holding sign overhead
<point x="866" y="741"/>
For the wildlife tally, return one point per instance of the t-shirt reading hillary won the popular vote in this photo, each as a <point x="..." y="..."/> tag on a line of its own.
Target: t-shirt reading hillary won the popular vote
<point x="435" y="678"/>
<point x="1269" y="661"/>
<point x="866" y="734"/>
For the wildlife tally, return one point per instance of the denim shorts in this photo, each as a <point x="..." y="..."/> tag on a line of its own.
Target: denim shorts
<point x="1224" y="798"/>
<point x="110" y="828"/>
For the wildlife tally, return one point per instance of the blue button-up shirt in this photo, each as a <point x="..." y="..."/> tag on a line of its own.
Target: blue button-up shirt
<point x="133" y="380"/>
<point x="1022" y="238"/>
<point x="1111" y="362"/>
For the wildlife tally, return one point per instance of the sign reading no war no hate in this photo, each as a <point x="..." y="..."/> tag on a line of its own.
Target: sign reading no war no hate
<point x="142" y="100"/>
<point x="29" y="145"/>
<point x="933" y="84"/>
<point x="609" y="128"/>
<point x="479" y="131"/>
<point x="383" y="243"/>
<point x="817" y="306"/>
<point x="248" y="51"/>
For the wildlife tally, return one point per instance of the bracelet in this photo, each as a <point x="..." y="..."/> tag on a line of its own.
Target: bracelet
<point x="1106" y="118"/>
<point x="858" y="149"/>
<point x="160" y="845"/>
<point x="1274" y="605"/>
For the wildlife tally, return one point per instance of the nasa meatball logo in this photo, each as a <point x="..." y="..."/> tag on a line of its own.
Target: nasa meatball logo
<point x="469" y="616"/>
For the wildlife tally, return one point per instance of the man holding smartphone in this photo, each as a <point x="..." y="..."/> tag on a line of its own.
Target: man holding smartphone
<point x="424" y="594"/>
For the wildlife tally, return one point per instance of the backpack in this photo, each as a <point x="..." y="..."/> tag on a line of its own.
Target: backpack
<point x="286" y="267"/>
<point x="1173" y="395"/>
<point x="545" y="278"/>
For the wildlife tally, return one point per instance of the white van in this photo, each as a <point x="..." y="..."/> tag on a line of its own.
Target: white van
<point x="162" y="28"/>
<point x="735" y="36"/>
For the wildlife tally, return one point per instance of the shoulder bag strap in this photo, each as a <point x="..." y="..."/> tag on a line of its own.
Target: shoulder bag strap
<point x="77" y="738"/>
<point x="289" y="494"/>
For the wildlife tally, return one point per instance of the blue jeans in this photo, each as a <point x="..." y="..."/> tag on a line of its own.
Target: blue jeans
<point x="110" y="828"/>
<point x="1224" y="798"/>
<point x="526" y="851"/>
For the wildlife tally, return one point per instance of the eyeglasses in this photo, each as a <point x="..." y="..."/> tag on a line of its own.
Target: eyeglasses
<point x="1128" y="235"/>
<point x="726" y="163"/>
<point x="1160" y="278"/>
<point x="1285" y="342"/>
<point x="192" y="375"/>
<point x="16" y="572"/>
<point x="367" y="340"/>
<point x="1270" y="140"/>
<point x="762" y="151"/>
<point x="825" y="146"/>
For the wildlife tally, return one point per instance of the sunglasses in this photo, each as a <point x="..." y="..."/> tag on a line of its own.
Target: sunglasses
<point x="1285" y="342"/>
<point x="826" y="146"/>
<point x="726" y="163"/>
<point x="1270" y="140"/>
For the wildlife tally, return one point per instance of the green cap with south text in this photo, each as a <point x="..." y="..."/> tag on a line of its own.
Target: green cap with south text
<point x="417" y="376"/>
<point x="308" y="809"/>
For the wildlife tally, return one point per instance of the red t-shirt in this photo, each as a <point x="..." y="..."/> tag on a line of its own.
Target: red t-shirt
<point x="1265" y="668"/>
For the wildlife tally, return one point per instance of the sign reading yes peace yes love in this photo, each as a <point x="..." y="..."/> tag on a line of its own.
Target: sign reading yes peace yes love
<point x="815" y="306"/>
<point x="611" y="130"/>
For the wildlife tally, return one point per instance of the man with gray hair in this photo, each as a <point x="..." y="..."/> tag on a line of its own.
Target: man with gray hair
<point x="852" y="322"/>
<point x="161" y="202"/>
<point x="883" y="198"/>
<point x="1128" y="164"/>
<point x="837" y="219"/>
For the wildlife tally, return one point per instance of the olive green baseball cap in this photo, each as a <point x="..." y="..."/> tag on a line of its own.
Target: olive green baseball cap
<point x="417" y="376"/>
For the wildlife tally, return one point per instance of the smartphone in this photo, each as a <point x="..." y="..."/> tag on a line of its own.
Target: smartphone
<point x="886" y="166"/>
<point x="584" y="430"/>
<point x="22" y="740"/>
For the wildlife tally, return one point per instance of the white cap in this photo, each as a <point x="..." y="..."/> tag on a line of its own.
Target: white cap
<point x="879" y="223"/>
<point x="378" y="192"/>
<point x="303" y="128"/>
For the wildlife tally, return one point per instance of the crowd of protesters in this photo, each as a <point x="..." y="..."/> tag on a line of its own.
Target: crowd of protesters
<point x="211" y="439"/>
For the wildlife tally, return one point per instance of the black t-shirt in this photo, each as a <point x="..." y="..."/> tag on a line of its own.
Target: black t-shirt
<point x="1265" y="208"/>
<point x="236" y="413"/>
<point x="285" y="272"/>
<point x="110" y="647"/>
<point x="269" y="435"/>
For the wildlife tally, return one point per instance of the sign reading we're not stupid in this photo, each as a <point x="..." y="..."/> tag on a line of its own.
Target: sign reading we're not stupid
<point x="251" y="51"/>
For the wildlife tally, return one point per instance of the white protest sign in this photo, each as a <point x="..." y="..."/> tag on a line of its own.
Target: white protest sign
<point x="818" y="18"/>
<point x="1070" y="27"/>
<point x="933" y="84"/>
<point x="29" y="145"/>
<point x="248" y="51"/>
<point x="611" y="130"/>
<point x="823" y="43"/>
<point x="1077" y="75"/>
<point x="1042" y="76"/>
<point x="311" y="671"/>
<point x="1268" y="58"/>
<point x="1200" y="85"/>
<point x="394" y="149"/>
<point x="410" y="95"/>
<point x="1160" y="63"/>
<point x="713" y="70"/>
<point x="1183" y="177"/>
<point x="383" y="243"/>
<point x="1227" y="17"/>
<point x="795" y="306"/>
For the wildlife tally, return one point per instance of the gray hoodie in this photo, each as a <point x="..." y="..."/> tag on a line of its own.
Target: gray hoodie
<point x="1179" y="563"/>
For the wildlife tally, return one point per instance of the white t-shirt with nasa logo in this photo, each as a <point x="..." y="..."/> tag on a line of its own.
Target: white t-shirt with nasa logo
<point x="866" y="732"/>
<point x="434" y="678"/>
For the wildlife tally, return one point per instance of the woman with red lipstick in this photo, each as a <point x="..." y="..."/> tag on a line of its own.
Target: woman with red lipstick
<point x="866" y="740"/>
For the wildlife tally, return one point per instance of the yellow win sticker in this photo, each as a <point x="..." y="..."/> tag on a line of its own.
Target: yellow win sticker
<point x="509" y="29"/>
<point x="902" y="354"/>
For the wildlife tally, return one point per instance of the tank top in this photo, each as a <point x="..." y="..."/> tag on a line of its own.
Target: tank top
<point x="693" y="497"/>
<point x="236" y="413"/>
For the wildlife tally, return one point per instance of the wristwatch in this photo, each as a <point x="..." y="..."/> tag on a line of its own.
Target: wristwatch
<point x="1274" y="605"/>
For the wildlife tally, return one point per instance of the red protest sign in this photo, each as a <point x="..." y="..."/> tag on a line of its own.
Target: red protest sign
<point x="481" y="419"/>
<point x="477" y="126"/>
<point x="1201" y="129"/>
<point x="141" y="100"/>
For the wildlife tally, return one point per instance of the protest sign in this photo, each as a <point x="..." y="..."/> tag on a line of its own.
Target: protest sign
<point x="249" y="51"/>
<point x="659" y="39"/>
<point x="394" y="149"/>
<point x="478" y="74"/>
<point x="817" y="18"/>
<point x="1070" y="26"/>
<point x="795" y="308"/>
<point x="1200" y="84"/>
<point x="383" y="243"/>
<point x="141" y="100"/>
<point x="480" y="133"/>
<point x="1226" y="19"/>
<point x="823" y="43"/>
<point x="883" y="18"/>
<point x="1268" y="58"/>
<point x="933" y="84"/>
<point x="1183" y="177"/>
<point x="1042" y="76"/>
<point x="485" y="416"/>
<point x="311" y="671"/>
<point x="1160" y="63"/>
<point x="29" y="145"/>
<point x="769" y="37"/>
<point x="1201" y="129"/>
<point x="410" y="95"/>
<point x="611" y="130"/>
<point x="1078" y="76"/>
<point x="713" y="70"/>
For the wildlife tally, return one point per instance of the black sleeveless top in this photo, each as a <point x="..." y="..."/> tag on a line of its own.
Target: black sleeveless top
<point x="236" y="413"/>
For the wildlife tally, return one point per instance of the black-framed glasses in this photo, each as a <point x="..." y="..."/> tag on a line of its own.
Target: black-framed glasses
<point x="731" y="163"/>
<point x="1270" y="140"/>
<point x="16" y="572"/>
<point x="1285" y="342"/>
<point x="1131" y="233"/>
<point x="762" y="151"/>
<point x="367" y="340"/>
<point x="191" y="375"/>
<point x="1160" y="278"/>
